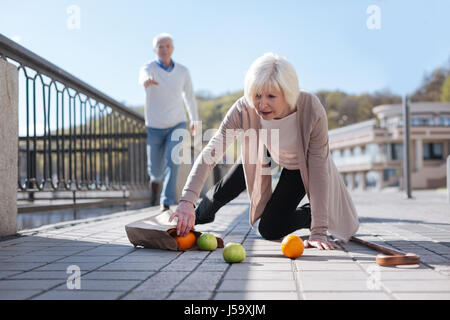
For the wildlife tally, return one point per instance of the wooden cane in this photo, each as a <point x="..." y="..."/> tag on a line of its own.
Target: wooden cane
<point x="390" y="257"/>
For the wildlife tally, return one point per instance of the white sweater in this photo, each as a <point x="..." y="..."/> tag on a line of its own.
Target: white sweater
<point x="164" y="106"/>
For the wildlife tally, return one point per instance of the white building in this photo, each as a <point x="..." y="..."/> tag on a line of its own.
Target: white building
<point x="370" y="153"/>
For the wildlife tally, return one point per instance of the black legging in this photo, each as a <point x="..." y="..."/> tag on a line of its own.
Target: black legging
<point x="280" y="216"/>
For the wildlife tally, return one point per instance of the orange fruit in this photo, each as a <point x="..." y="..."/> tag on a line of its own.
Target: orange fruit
<point x="292" y="246"/>
<point x="185" y="242"/>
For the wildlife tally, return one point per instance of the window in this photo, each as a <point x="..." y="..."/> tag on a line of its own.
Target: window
<point x="433" y="151"/>
<point x="372" y="178"/>
<point x="387" y="173"/>
<point x="416" y="122"/>
<point x="396" y="151"/>
<point x="372" y="151"/>
<point x="430" y="121"/>
<point x="346" y="179"/>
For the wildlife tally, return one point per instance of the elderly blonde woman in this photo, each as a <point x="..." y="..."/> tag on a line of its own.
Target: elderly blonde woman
<point x="273" y="101"/>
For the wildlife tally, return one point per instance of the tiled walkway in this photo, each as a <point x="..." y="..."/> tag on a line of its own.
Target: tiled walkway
<point x="37" y="264"/>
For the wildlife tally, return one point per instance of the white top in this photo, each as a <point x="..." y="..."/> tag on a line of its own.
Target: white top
<point x="285" y="154"/>
<point x="164" y="106"/>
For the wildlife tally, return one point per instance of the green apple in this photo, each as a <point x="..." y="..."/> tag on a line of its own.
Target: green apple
<point x="207" y="241"/>
<point x="233" y="252"/>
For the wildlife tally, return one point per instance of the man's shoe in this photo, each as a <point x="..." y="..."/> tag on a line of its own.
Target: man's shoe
<point x="165" y="208"/>
<point x="155" y="189"/>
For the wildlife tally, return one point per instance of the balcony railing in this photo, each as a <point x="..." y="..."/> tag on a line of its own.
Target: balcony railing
<point x="72" y="136"/>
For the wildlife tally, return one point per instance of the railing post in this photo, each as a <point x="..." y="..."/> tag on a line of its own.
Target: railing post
<point x="8" y="146"/>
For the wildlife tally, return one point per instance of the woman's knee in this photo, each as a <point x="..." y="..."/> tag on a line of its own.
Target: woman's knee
<point x="268" y="231"/>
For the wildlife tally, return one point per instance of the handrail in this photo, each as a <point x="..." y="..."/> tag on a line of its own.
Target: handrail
<point x="15" y="51"/>
<point x="95" y="143"/>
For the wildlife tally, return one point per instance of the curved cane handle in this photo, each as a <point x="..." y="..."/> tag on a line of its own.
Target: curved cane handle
<point x="394" y="260"/>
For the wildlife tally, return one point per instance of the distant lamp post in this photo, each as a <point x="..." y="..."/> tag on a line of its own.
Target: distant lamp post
<point x="406" y="144"/>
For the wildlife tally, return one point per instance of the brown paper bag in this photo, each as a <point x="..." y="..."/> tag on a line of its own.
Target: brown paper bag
<point x="152" y="233"/>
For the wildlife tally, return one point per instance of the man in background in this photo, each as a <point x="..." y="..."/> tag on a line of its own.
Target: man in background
<point x="168" y="89"/>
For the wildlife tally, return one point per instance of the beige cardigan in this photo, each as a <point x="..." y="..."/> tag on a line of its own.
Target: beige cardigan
<point x="332" y="208"/>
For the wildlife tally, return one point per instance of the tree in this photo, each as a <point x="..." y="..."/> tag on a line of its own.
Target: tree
<point x="445" y="89"/>
<point x="430" y="90"/>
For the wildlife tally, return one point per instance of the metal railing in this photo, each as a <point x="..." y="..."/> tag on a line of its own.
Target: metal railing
<point x="72" y="136"/>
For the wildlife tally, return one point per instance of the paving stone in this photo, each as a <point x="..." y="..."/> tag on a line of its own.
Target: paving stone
<point x="324" y="265"/>
<point x="256" y="295"/>
<point x="11" y="294"/>
<point x="27" y="284"/>
<point x="19" y="266"/>
<point x="248" y="267"/>
<point x="400" y="268"/>
<point x="198" y="281"/>
<point x="118" y="275"/>
<point x="326" y="295"/>
<point x="422" y="295"/>
<point x="328" y="275"/>
<point x="57" y="252"/>
<point x="267" y="259"/>
<point x="235" y="274"/>
<point x="413" y="275"/>
<point x="182" y="266"/>
<point x="326" y="259"/>
<point x="109" y="251"/>
<point x="146" y="295"/>
<point x="81" y="258"/>
<point x="33" y="258"/>
<point x="162" y="281"/>
<point x="434" y="259"/>
<point x="257" y="285"/>
<point x="145" y="259"/>
<point x="58" y="266"/>
<point x="41" y="275"/>
<point x="212" y="266"/>
<point x="256" y="253"/>
<point x="418" y="286"/>
<point x="325" y="284"/>
<point x="133" y="266"/>
<point x="105" y="285"/>
<point x="79" y="295"/>
<point x="5" y="274"/>
<point x="190" y="295"/>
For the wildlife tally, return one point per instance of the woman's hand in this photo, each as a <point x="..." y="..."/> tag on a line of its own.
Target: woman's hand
<point x="320" y="244"/>
<point x="186" y="217"/>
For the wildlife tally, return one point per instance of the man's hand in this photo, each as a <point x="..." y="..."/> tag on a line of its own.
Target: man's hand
<point x="320" y="244"/>
<point x="193" y="129"/>
<point x="150" y="82"/>
<point x="186" y="217"/>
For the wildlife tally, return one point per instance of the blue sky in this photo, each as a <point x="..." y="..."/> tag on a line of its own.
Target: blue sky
<point x="327" y="41"/>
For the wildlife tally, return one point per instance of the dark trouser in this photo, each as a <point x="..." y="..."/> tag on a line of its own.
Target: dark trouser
<point x="280" y="216"/>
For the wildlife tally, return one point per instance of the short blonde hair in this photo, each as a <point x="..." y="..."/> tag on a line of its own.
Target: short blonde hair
<point x="160" y="37"/>
<point x="272" y="71"/>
